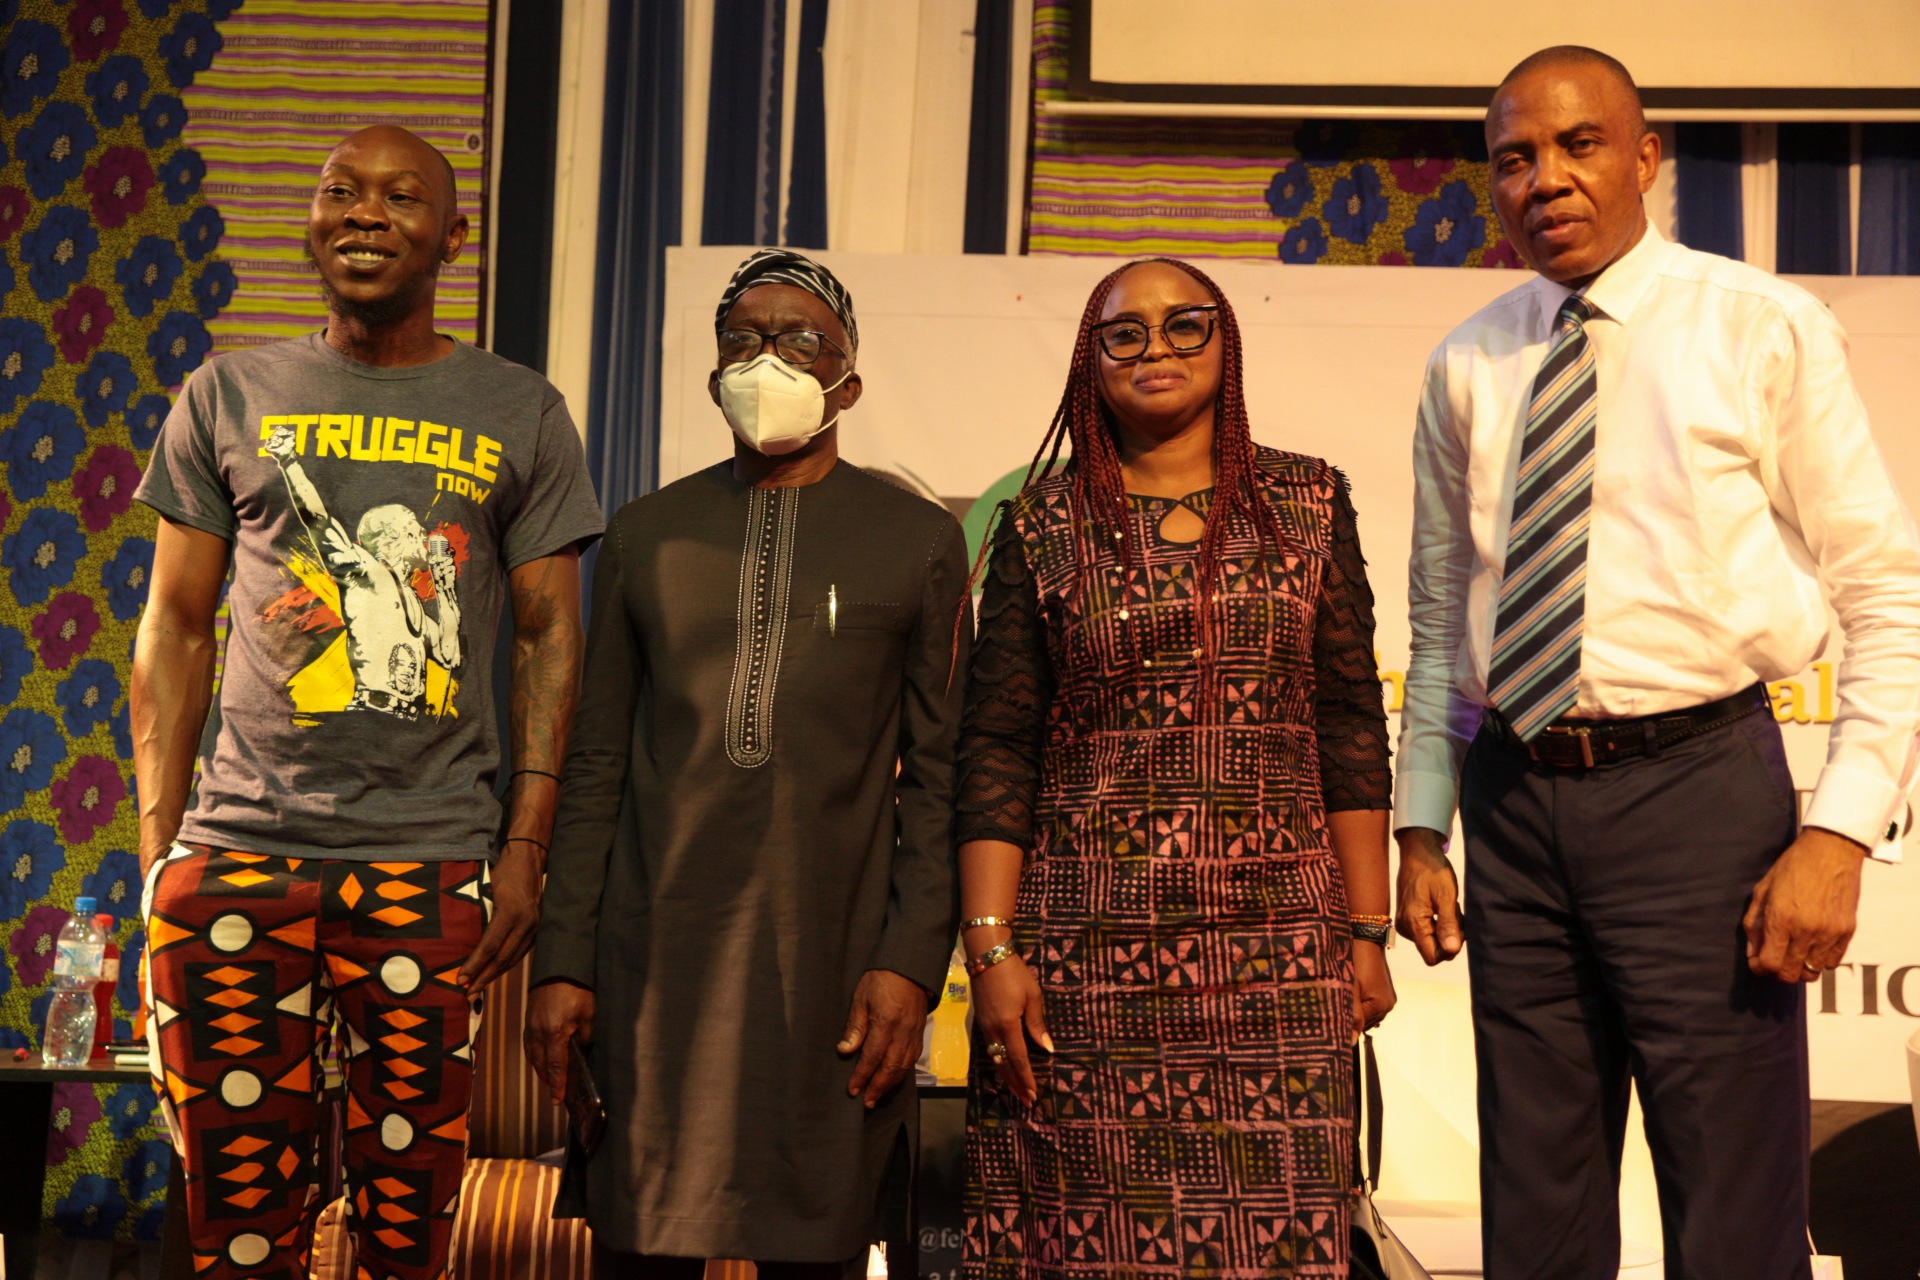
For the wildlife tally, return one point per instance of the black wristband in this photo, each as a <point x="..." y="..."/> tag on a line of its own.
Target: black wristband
<point x="525" y="840"/>
<point x="538" y="772"/>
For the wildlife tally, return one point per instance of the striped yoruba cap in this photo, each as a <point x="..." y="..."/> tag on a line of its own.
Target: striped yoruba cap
<point x="784" y="266"/>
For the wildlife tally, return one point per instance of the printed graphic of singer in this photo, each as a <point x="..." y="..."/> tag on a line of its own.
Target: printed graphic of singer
<point x="392" y="626"/>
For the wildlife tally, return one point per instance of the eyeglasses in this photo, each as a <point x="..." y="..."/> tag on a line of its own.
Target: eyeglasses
<point x="795" y="346"/>
<point x="1187" y="330"/>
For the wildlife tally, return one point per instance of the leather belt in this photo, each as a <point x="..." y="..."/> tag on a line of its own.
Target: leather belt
<point x="1585" y="744"/>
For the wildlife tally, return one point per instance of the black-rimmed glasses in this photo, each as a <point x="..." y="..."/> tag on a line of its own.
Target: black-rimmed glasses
<point x="795" y="346"/>
<point x="1186" y="330"/>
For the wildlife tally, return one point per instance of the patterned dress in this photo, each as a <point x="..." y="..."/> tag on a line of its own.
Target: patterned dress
<point x="1179" y="904"/>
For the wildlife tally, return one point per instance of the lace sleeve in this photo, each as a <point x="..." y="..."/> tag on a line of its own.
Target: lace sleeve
<point x="1009" y="687"/>
<point x="1349" y="713"/>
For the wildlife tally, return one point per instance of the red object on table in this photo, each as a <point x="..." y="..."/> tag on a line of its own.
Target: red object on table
<point x="103" y="991"/>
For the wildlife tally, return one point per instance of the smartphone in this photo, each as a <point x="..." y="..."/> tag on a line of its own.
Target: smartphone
<point x="586" y="1111"/>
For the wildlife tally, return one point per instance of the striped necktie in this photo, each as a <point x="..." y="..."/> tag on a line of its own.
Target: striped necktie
<point x="1535" y="673"/>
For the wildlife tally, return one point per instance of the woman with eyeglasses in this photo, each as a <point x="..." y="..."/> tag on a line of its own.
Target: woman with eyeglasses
<point x="1171" y="803"/>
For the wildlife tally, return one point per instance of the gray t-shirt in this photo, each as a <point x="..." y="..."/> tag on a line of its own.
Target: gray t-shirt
<point x="375" y="514"/>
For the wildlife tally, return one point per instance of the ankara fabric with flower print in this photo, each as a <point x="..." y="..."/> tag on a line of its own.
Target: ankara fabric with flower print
<point x="108" y="275"/>
<point x="1368" y="193"/>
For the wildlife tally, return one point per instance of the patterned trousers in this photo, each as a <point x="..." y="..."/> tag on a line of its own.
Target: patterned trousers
<point x="249" y="957"/>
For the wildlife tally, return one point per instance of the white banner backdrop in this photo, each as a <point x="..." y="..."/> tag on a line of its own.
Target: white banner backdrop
<point x="963" y="358"/>
<point x="1703" y="44"/>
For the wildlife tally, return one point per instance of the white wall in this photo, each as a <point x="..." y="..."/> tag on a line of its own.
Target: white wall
<point x="898" y="78"/>
<point x="576" y="202"/>
<point x="1666" y="43"/>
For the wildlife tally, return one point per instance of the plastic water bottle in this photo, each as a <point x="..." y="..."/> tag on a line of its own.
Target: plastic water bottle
<point x="76" y="967"/>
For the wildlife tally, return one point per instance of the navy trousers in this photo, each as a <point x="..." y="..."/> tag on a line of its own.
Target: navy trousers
<point x="1603" y="911"/>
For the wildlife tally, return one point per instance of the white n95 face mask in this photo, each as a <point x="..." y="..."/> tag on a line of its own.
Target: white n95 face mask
<point x="772" y="406"/>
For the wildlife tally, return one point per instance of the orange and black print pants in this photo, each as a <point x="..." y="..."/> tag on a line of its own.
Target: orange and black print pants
<point x="252" y="961"/>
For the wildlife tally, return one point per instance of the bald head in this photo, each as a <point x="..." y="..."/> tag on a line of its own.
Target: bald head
<point x="1566" y="57"/>
<point x="414" y="151"/>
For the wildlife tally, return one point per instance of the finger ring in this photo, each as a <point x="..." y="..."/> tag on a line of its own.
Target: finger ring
<point x="1810" y="967"/>
<point x="997" y="1051"/>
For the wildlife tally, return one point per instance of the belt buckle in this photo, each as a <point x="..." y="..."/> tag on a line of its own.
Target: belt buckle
<point x="1582" y="732"/>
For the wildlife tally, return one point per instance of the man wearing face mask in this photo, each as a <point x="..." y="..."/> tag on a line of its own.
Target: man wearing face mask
<point x="752" y="887"/>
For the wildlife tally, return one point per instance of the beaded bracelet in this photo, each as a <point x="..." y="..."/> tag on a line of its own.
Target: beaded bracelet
<point x="989" y="958"/>
<point x="982" y="922"/>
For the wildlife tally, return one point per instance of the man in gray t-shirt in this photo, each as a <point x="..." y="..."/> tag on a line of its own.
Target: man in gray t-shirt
<point x="378" y="491"/>
<point x="374" y="513"/>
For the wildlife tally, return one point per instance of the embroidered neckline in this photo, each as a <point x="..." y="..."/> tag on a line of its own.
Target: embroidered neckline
<point x="766" y="585"/>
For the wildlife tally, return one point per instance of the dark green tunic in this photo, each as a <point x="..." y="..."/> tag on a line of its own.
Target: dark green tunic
<point x="755" y="813"/>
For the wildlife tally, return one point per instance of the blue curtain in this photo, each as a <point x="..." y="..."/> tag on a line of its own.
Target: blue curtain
<point x="1709" y="208"/>
<point x="742" y="201"/>
<point x="639" y="218"/>
<point x="1816" y="207"/>
<point x="986" y="225"/>
<point x="1889" y="200"/>
<point x="807" y="183"/>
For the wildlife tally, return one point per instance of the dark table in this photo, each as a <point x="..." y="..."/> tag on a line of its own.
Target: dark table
<point x="26" y="1111"/>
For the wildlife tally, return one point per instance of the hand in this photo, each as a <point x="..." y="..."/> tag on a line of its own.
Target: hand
<point x="1007" y="1010"/>
<point x="516" y="914"/>
<point x="884" y="1027"/>
<point x="280" y="445"/>
<point x="1373" y="996"/>
<point x="557" y="1011"/>
<point x="339" y="547"/>
<point x="1803" y="910"/>
<point x="1429" y="895"/>
<point x="445" y="573"/>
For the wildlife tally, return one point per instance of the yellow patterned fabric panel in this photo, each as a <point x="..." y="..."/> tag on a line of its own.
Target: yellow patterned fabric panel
<point x="294" y="77"/>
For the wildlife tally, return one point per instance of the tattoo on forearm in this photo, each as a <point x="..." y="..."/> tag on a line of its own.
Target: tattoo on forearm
<point x="547" y="651"/>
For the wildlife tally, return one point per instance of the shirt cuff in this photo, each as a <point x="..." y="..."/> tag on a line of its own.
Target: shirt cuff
<point x="1425" y="799"/>
<point x="927" y="969"/>
<point x="565" y="956"/>
<point x="1858" y="804"/>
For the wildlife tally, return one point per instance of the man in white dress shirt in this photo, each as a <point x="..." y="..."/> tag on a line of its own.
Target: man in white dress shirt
<point x="1638" y="476"/>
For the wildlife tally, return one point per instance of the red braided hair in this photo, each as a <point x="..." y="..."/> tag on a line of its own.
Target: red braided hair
<point x="1097" y="491"/>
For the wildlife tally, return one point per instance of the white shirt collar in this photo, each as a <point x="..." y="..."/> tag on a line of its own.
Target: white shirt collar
<point x="1619" y="288"/>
